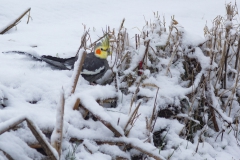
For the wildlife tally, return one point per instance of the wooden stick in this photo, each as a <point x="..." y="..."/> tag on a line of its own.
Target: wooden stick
<point x="45" y="145"/>
<point x="120" y="142"/>
<point x="106" y="123"/>
<point x="15" y="22"/>
<point x="7" y="155"/>
<point x="79" y="69"/>
<point x="58" y="131"/>
<point x="36" y="132"/>
<point x="11" y="125"/>
<point x="76" y="104"/>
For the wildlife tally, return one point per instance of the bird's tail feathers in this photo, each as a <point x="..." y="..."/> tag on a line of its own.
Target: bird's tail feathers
<point x="32" y="55"/>
<point x="62" y="63"/>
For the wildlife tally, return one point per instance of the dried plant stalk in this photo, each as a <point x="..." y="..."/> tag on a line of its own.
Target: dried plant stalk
<point x="57" y="135"/>
<point x="76" y="104"/>
<point x="94" y="43"/>
<point x="7" y="155"/>
<point x="106" y="123"/>
<point x="131" y="119"/>
<point x="87" y="149"/>
<point x="121" y="26"/>
<point x="36" y="132"/>
<point x="79" y="69"/>
<point x="83" y="41"/>
<point x="16" y="21"/>
<point x="153" y="117"/>
<point x="127" y="142"/>
<point x="10" y="124"/>
<point x="214" y="120"/>
<point x="237" y="56"/>
<point x="44" y="143"/>
<point x="121" y="158"/>
<point x="134" y="96"/>
<point x="171" y="59"/>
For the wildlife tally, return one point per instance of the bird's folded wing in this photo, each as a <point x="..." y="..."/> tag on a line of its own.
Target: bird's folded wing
<point x="93" y="72"/>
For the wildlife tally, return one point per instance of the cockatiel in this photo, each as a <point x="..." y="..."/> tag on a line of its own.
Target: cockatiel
<point x="95" y="64"/>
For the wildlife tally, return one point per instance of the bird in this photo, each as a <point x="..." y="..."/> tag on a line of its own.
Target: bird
<point x="94" y="66"/>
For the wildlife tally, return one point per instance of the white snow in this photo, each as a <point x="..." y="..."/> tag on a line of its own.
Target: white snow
<point x="30" y="88"/>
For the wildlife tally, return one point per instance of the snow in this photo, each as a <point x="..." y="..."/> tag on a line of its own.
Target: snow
<point x="30" y="88"/>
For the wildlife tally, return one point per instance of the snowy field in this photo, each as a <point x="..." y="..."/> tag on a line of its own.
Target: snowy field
<point x="32" y="88"/>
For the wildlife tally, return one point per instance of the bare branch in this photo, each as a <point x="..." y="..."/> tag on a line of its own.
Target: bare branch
<point x="16" y="21"/>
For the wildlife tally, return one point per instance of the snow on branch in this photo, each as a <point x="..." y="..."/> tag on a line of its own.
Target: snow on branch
<point x="57" y="135"/>
<point x="16" y="21"/>
<point x="7" y="125"/>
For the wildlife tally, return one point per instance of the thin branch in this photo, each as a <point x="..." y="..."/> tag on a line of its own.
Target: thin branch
<point x="79" y="69"/>
<point x="5" y="126"/>
<point x="76" y="104"/>
<point x="6" y="154"/>
<point x="133" y="143"/>
<point x="131" y="119"/>
<point x="16" y="21"/>
<point x="106" y="123"/>
<point x="57" y="135"/>
<point x="94" y="43"/>
<point x="44" y="143"/>
<point x="9" y="124"/>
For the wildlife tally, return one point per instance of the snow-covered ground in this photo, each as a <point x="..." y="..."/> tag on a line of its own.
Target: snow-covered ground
<point x="55" y="28"/>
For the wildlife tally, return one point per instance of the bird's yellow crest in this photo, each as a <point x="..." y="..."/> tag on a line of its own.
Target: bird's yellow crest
<point x="102" y="49"/>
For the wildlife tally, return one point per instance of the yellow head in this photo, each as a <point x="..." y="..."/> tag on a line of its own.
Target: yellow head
<point x="102" y="49"/>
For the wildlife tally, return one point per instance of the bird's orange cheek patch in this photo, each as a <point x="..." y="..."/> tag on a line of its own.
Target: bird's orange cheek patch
<point x="98" y="51"/>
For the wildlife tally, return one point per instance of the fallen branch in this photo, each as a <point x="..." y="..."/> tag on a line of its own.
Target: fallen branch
<point x="9" y="124"/>
<point x="76" y="104"/>
<point x="42" y="140"/>
<point x="106" y="123"/>
<point x="7" y="155"/>
<point x="133" y="143"/>
<point x="79" y="69"/>
<point x="5" y="126"/>
<point x="57" y="135"/>
<point x="16" y="21"/>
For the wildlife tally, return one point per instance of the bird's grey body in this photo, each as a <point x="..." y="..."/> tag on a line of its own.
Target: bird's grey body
<point x="95" y="64"/>
<point x="93" y="67"/>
